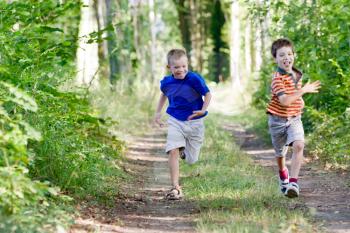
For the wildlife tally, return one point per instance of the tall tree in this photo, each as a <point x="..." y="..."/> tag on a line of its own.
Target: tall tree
<point x="101" y="17"/>
<point x="153" y="55"/>
<point x="216" y="27"/>
<point x="112" y="42"/>
<point x="185" y="25"/>
<point x="247" y="48"/>
<point x="87" y="53"/>
<point x="235" y="45"/>
<point x="135" y="9"/>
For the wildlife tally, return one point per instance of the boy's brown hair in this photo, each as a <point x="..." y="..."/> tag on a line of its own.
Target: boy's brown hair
<point x="175" y="54"/>
<point x="279" y="43"/>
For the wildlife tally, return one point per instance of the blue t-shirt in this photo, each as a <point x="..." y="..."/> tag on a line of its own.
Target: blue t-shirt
<point x="184" y="95"/>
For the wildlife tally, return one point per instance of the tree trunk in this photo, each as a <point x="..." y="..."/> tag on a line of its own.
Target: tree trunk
<point x="87" y="54"/>
<point x="184" y="20"/>
<point x="202" y="36"/>
<point x="264" y="29"/>
<point x="258" y="46"/>
<point x="217" y="24"/>
<point x="111" y="44"/>
<point x="100" y="8"/>
<point x="153" y="55"/>
<point x="247" y="50"/>
<point x="235" y="45"/>
<point x="196" y="36"/>
<point x="135" y="7"/>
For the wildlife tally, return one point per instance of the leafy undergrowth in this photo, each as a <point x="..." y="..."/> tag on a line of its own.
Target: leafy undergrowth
<point x="53" y="146"/>
<point x="330" y="140"/>
<point x="233" y="194"/>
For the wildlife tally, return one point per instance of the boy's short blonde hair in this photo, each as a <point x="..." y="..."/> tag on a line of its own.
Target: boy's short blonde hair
<point x="175" y="54"/>
<point x="279" y="43"/>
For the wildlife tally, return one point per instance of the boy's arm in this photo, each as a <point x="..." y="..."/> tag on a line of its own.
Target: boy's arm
<point x="201" y="112"/>
<point x="287" y="100"/>
<point x="207" y="99"/>
<point x="158" y="114"/>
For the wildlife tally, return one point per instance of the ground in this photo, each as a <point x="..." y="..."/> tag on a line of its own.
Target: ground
<point x="141" y="206"/>
<point x="325" y="193"/>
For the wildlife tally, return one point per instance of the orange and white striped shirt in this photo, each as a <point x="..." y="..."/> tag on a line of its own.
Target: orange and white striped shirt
<point x="285" y="83"/>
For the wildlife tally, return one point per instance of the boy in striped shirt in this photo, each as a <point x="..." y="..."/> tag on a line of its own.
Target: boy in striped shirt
<point x="284" y="110"/>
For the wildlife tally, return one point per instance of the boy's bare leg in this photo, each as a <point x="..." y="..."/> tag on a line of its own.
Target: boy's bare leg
<point x="297" y="158"/>
<point x="174" y="167"/>
<point x="281" y="162"/>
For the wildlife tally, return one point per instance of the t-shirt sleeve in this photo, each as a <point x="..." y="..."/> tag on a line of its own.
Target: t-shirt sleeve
<point x="199" y="85"/>
<point x="277" y="86"/>
<point x="162" y="85"/>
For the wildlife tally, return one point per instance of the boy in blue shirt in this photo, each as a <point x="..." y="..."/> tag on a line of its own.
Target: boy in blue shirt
<point x="184" y="90"/>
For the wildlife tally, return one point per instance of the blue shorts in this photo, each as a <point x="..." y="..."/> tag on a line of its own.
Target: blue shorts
<point x="284" y="131"/>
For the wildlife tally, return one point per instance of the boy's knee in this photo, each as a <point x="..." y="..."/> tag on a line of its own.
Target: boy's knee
<point x="298" y="146"/>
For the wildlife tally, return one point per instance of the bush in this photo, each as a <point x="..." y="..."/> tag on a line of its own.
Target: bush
<point x="48" y="137"/>
<point x="330" y="140"/>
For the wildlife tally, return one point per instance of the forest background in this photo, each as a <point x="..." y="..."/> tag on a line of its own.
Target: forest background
<point x="65" y="64"/>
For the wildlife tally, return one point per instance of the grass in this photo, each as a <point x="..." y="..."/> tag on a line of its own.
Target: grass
<point x="234" y="194"/>
<point x="254" y="120"/>
<point x="132" y="109"/>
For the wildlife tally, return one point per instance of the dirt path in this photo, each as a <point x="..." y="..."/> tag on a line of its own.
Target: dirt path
<point x="141" y="207"/>
<point x="325" y="193"/>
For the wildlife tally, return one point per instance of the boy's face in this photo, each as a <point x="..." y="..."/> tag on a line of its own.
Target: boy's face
<point x="285" y="58"/>
<point x="179" y="67"/>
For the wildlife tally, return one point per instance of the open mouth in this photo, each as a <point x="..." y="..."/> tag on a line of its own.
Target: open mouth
<point x="180" y="74"/>
<point x="287" y="63"/>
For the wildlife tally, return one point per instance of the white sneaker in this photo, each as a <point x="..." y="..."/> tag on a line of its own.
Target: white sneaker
<point x="284" y="183"/>
<point x="292" y="190"/>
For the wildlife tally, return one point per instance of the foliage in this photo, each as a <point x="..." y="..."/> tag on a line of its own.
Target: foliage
<point x="49" y="137"/>
<point x="330" y="139"/>
<point x="71" y="133"/>
<point x="19" y="194"/>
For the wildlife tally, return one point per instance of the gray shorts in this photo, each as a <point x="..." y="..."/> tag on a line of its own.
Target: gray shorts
<point x="284" y="131"/>
<point x="187" y="134"/>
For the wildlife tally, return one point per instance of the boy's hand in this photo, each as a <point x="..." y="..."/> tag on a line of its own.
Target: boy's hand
<point x="196" y="114"/>
<point x="157" y="120"/>
<point x="311" y="87"/>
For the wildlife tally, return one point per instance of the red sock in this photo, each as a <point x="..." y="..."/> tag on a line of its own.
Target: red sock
<point x="295" y="180"/>
<point x="284" y="174"/>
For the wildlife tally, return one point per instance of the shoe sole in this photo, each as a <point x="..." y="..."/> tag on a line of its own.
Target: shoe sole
<point x="173" y="198"/>
<point x="292" y="193"/>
